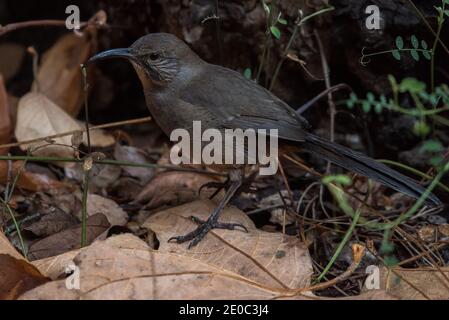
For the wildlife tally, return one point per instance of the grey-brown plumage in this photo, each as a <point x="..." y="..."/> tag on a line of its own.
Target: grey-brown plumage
<point x="180" y="87"/>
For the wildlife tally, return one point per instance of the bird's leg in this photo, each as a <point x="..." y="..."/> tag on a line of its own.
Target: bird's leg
<point x="217" y="185"/>
<point x="212" y="222"/>
<point x="244" y="187"/>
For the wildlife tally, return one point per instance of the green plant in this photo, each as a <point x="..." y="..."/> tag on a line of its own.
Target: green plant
<point x="426" y="105"/>
<point x="272" y="30"/>
<point x="417" y="46"/>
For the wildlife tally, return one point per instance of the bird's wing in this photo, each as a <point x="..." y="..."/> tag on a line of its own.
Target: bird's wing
<point x="237" y="102"/>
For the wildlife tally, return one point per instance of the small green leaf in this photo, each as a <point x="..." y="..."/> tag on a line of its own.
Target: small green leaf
<point x="353" y="96"/>
<point x="396" y="54"/>
<point x="386" y="247"/>
<point x="383" y="100"/>
<point x="415" y="42"/>
<point x="390" y="261"/>
<point x="350" y="103"/>
<point x="415" y="54"/>
<point x="427" y="55"/>
<point x="282" y="21"/>
<point x="399" y="42"/>
<point x="424" y="44"/>
<point x="432" y="146"/>
<point x="412" y="85"/>
<point x="378" y="108"/>
<point x="247" y="73"/>
<point x="437" y="161"/>
<point x="446" y="2"/>
<point x="366" y="106"/>
<point x="421" y="128"/>
<point x="446" y="12"/>
<point x="370" y="97"/>
<point x="275" y="31"/>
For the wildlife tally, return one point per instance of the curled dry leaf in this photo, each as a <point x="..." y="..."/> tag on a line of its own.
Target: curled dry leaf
<point x="173" y="188"/>
<point x="59" y="76"/>
<point x="17" y="276"/>
<point x="272" y="259"/>
<point x="124" y="267"/>
<point x="5" y="119"/>
<point x="68" y="239"/>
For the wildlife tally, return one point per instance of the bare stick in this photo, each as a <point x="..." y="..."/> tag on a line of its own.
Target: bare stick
<point x="68" y="133"/>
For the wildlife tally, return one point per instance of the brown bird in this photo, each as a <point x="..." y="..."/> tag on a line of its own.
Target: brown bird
<point x="180" y="88"/>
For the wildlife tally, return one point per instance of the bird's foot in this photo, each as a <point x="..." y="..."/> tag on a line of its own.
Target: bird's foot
<point x="204" y="227"/>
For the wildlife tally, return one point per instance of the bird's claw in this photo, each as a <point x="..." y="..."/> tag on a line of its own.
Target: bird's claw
<point x="204" y="227"/>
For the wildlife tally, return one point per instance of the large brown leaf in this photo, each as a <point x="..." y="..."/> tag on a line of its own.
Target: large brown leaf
<point x="124" y="267"/>
<point x="39" y="117"/>
<point x="59" y="76"/>
<point x="17" y="276"/>
<point x="416" y="284"/>
<point x="272" y="259"/>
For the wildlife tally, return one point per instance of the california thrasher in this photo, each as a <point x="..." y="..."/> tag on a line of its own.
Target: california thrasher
<point x="180" y="88"/>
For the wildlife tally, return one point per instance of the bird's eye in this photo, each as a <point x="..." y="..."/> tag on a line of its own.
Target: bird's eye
<point x="154" y="56"/>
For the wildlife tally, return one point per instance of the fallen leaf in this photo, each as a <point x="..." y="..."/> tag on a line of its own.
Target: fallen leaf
<point x="39" y="117"/>
<point x="416" y="284"/>
<point x="68" y="239"/>
<point x="98" y="204"/>
<point x="29" y="181"/>
<point x="132" y="154"/>
<point x="173" y="188"/>
<point x="5" y="119"/>
<point x="17" y="276"/>
<point x="12" y="57"/>
<point x="272" y="259"/>
<point x="59" y="76"/>
<point x="98" y="138"/>
<point x="124" y="267"/>
<point x="7" y="248"/>
<point x="54" y="267"/>
<point x="52" y="223"/>
<point x="371" y="295"/>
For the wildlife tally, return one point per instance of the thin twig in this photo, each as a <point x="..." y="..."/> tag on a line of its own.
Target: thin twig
<point x="72" y="132"/>
<point x="48" y="22"/>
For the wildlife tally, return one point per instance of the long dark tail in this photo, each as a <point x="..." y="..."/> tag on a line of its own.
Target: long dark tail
<point x="364" y="165"/>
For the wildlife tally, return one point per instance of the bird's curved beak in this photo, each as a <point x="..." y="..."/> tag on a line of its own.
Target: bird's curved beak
<point x="113" y="53"/>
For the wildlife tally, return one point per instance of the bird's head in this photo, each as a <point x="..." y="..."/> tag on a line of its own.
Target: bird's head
<point x="157" y="57"/>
